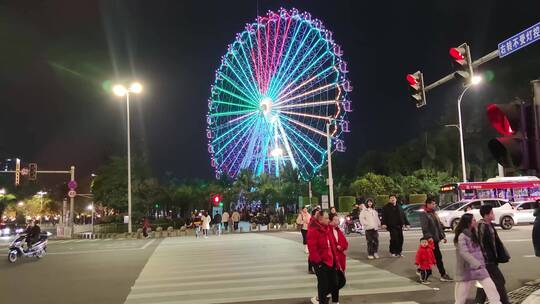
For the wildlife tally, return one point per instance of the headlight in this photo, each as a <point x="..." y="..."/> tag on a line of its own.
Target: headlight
<point x="5" y="231"/>
<point x="19" y="230"/>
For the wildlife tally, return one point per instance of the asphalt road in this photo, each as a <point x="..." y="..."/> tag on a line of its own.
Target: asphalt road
<point x="266" y="264"/>
<point x="523" y="266"/>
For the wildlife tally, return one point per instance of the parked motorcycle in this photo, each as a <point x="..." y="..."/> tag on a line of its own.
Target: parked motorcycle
<point x="37" y="250"/>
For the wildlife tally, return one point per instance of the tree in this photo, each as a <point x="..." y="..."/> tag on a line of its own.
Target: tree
<point x="373" y="184"/>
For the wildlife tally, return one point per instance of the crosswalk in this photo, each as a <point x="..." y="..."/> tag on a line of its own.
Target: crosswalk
<point x="242" y="268"/>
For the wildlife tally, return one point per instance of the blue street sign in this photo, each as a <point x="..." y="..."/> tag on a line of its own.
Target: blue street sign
<point x="519" y="41"/>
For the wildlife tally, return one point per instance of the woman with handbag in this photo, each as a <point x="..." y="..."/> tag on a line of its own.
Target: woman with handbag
<point x="302" y="222"/>
<point x="470" y="265"/>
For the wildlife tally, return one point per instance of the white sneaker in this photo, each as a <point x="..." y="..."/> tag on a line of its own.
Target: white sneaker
<point x="376" y="255"/>
<point x="395" y="255"/>
<point x="370" y="257"/>
<point x="314" y="300"/>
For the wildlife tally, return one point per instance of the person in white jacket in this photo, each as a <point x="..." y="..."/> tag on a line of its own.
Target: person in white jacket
<point x="225" y="220"/>
<point x="369" y="218"/>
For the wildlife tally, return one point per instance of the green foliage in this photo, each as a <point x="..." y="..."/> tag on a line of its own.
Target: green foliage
<point x="417" y="198"/>
<point x="381" y="200"/>
<point x="345" y="203"/>
<point x="372" y="184"/>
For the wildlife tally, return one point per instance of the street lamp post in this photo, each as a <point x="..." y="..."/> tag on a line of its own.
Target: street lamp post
<point x="329" y="155"/>
<point x="475" y="80"/>
<point x="41" y="194"/>
<point x="91" y="208"/>
<point x="120" y="90"/>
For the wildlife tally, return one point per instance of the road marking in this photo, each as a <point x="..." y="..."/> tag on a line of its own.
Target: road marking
<point x="530" y="256"/>
<point x="245" y="268"/>
<point x="147" y="244"/>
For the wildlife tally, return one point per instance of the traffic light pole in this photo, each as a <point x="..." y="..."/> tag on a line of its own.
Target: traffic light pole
<point x="330" y="179"/>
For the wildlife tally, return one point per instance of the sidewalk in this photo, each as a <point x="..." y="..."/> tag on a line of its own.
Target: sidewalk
<point x="528" y="294"/>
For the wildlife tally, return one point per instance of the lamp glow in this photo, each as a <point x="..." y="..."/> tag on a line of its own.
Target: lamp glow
<point x="476" y="80"/>
<point x="119" y="90"/>
<point x="136" y="88"/>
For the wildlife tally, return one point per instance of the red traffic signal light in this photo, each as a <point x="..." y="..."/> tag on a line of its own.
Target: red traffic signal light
<point x="462" y="62"/>
<point x="510" y="120"/>
<point x="416" y="84"/>
<point x="216" y="200"/>
<point x="456" y="54"/>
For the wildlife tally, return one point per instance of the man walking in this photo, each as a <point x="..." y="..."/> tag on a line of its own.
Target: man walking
<point x="494" y="253"/>
<point x="434" y="230"/>
<point x="394" y="220"/>
<point x="235" y="218"/>
<point x="225" y="220"/>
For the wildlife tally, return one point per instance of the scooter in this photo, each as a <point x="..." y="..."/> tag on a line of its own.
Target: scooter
<point x="353" y="225"/>
<point x="37" y="250"/>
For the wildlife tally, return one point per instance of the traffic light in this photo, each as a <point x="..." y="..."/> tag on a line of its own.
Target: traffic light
<point x="216" y="199"/>
<point x="156" y="205"/>
<point x="32" y="171"/>
<point x="512" y="150"/>
<point x="462" y="62"/>
<point x="416" y="83"/>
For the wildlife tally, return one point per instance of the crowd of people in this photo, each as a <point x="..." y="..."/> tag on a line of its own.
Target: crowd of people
<point x="479" y="250"/>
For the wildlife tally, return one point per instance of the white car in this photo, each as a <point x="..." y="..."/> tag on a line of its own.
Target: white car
<point x="504" y="213"/>
<point x="524" y="212"/>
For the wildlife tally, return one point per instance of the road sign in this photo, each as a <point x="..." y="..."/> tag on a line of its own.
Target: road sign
<point x="24" y="171"/>
<point x="72" y="193"/>
<point x="520" y="40"/>
<point x="72" y="185"/>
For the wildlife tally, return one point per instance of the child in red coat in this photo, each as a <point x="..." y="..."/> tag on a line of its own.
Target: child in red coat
<point x="425" y="258"/>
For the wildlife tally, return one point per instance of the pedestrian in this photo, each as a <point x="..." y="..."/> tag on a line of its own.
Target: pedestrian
<point x="217" y="223"/>
<point x="536" y="230"/>
<point x="303" y="221"/>
<point x="235" y="219"/>
<point x="322" y="254"/>
<point x="145" y="226"/>
<point x="369" y="218"/>
<point x="394" y="221"/>
<point x="470" y="265"/>
<point x="225" y="221"/>
<point x="206" y="219"/>
<point x="333" y="210"/>
<point x="313" y="217"/>
<point x="433" y="229"/>
<point x="494" y="253"/>
<point x="425" y="259"/>
<point x="341" y="248"/>
<point x="196" y="222"/>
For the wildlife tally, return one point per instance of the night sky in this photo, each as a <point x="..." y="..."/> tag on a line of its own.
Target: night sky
<point x="56" y="58"/>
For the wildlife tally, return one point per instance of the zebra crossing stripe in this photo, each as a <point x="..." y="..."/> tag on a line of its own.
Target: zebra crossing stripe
<point x="242" y="268"/>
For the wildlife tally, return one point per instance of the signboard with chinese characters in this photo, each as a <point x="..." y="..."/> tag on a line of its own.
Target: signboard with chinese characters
<point x="520" y="40"/>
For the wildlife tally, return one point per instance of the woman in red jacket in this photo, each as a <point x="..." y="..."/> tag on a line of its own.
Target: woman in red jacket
<point x="341" y="248"/>
<point x="323" y="254"/>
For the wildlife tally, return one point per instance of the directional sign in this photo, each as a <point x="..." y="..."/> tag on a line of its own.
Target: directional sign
<point x="520" y="40"/>
<point x="72" y="193"/>
<point x="72" y="185"/>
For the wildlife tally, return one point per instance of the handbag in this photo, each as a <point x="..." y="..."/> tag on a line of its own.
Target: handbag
<point x="502" y="253"/>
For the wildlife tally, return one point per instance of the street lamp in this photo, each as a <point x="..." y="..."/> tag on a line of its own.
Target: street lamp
<point x="474" y="81"/>
<point x="121" y="91"/>
<point x="41" y="194"/>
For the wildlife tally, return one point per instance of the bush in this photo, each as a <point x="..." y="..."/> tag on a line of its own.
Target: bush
<point x="314" y="201"/>
<point x="417" y="198"/>
<point x="345" y="203"/>
<point x="381" y="200"/>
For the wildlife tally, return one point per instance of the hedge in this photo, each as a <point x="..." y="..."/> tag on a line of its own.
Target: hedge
<point x="417" y="198"/>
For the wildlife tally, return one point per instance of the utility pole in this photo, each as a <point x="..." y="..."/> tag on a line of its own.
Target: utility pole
<point x="329" y="154"/>
<point x="71" y="199"/>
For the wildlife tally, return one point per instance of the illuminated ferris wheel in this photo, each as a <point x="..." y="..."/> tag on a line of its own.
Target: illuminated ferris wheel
<point x="279" y="93"/>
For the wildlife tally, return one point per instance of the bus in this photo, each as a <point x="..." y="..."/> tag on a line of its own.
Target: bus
<point x="513" y="189"/>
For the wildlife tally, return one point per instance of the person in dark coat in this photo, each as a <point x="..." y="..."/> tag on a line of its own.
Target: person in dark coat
<point x="536" y="230"/>
<point x="394" y="221"/>
<point x="32" y="233"/>
<point x="494" y="253"/>
<point x="434" y="230"/>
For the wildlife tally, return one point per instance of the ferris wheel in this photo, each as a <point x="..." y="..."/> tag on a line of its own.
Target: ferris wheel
<point x="278" y="95"/>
